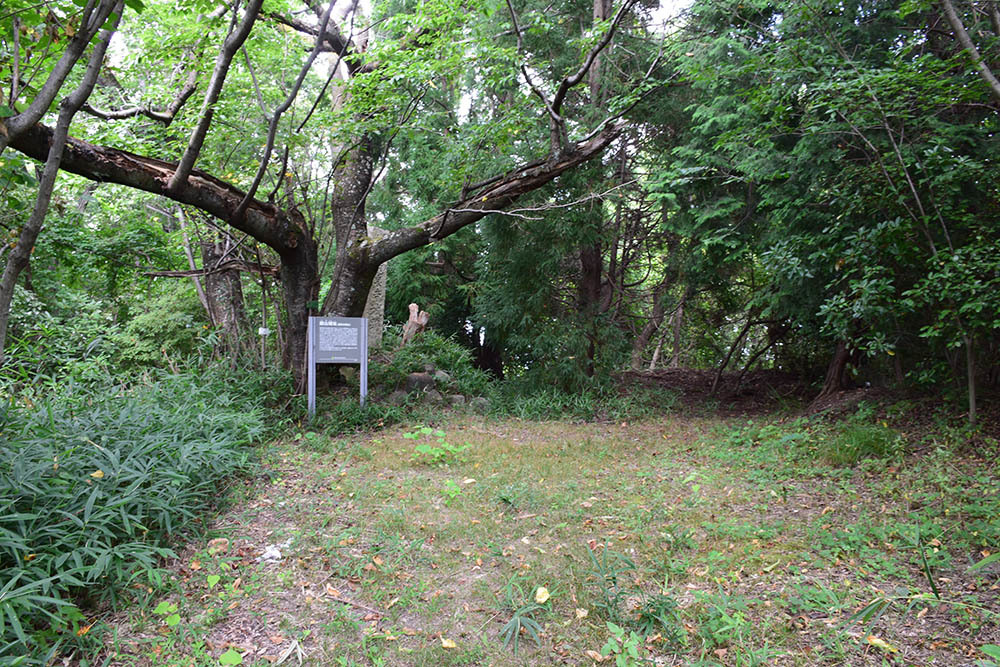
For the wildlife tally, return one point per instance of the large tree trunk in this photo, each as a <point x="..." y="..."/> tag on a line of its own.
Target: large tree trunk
<point x="353" y="270"/>
<point x="300" y="286"/>
<point x="224" y="295"/>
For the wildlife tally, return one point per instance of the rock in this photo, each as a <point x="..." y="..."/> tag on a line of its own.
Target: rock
<point x="397" y="397"/>
<point x="419" y="382"/>
<point x="480" y="405"/>
<point x="456" y="400"/>
<point x="441" y="377"/>
<point x="433" y="396"/>
<point x="428" y="368"/>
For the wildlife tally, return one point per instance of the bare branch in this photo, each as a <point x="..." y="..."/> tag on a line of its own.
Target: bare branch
<point x="272" y="129"/>
<point x="331" y="40"/>
<point x="166" y="116"/>
<point x="963" y="38"/>
<point x="495" y="197"/>
<point x="233" y="42"/>
<point x="222" y="267"/>
<point x="578" y="76"/>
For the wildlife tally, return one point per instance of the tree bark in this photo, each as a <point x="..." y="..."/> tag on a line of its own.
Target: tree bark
<point x="837" y="378"/>
<point x="224" y="295"/>
<point x="963" y="38"/>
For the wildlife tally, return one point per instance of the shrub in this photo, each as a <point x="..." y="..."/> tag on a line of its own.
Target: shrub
<point x="430" y="348"/>
<point x="94" y="483"/>
<point x="170" y="327"/>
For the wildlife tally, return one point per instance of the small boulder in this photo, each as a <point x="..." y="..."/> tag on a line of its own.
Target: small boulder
<point x="441" y="377"/>
<point x="433" y="396"/>
<point x="397" y="397"/>
<point x="419" y="382"/>
<point x="456" y="400"/>
<point x="480" y="404"/>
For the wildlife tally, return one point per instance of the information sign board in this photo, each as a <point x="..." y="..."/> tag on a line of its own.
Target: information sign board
<point x="337" y="340"/>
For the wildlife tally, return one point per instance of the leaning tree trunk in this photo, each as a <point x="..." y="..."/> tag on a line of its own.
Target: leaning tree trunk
<point x="837" y="376"/>
<point x="20" y="254"/>
<point x="285" y="230"/>
<point x="654" y="323"/>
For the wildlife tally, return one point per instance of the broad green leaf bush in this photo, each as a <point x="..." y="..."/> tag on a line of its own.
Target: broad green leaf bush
<point x="95" y="482"/>
<point x="43" y="346"/>
<point x="169" y="327"/>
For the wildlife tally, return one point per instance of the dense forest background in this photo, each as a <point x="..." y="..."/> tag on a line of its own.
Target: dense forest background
<point x="804" y="186"/>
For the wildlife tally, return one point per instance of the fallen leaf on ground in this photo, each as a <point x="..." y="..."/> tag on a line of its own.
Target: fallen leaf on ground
<point x="542" y="594"/>
<point x="447" y="643"/>
<point x="882" y="644"/>
<point x="594" y="655"/>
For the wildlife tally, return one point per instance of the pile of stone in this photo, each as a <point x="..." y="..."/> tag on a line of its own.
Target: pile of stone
<point x="435" y="387"/>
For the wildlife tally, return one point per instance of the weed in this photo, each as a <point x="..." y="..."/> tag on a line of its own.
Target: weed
<point x="856" y="441"/>
<point x="522" y="619"/>
<point x="437" y="452"/>
<point x="658" y="614"/>
<point x="624" y="646"/>
<point x="451" y="490"/>
<point x="724" y="621"/>
<point x="608" y="574"/>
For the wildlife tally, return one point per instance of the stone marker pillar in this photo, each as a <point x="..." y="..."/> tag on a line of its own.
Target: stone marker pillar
<point x="375" y="305"/>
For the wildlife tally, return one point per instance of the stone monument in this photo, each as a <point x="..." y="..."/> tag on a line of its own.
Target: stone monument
<point x="375" y="305"/>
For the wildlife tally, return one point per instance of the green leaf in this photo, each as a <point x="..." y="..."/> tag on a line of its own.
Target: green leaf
<point x="172" y="620"/>
<point x="212" y="580"/>
<point x="230" y="657"/>
<point x="991" y="650"/>
<point x="986" y="561"/>
<point x="165" y="608"/>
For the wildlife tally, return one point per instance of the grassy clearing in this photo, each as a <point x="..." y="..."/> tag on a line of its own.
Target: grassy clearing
<point x="676" y="541"/>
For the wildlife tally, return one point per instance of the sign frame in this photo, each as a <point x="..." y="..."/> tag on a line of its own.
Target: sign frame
<point x="337" y="349"/>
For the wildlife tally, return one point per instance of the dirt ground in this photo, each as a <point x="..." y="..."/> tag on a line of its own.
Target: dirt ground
<point x="720" y="534"/>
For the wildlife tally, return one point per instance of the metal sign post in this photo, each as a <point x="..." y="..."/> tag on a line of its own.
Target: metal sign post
<point x="336" y="340"/>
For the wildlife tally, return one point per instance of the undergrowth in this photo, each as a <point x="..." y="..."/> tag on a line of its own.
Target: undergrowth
<point x="94" y="484"/>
